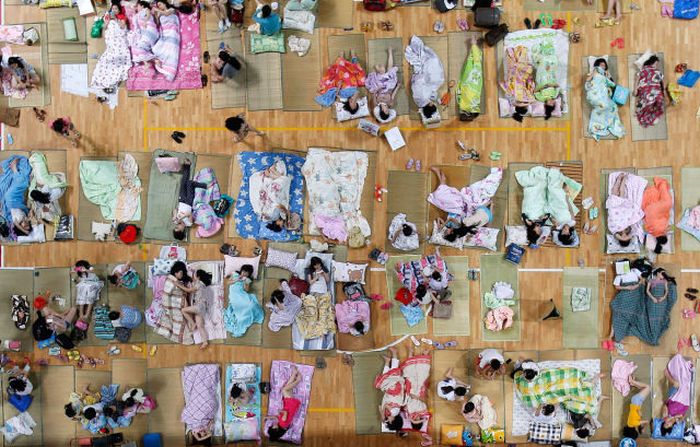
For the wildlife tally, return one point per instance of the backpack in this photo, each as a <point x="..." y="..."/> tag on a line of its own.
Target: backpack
<point x="495" y="35"/>
<point x="40" y="329"/>
<point x="354" y="291"/>
<point x="376" y="5"/>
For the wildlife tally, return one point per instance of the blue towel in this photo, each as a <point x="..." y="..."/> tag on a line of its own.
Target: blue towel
<point x="413" y="314"/>
<point x="327" y="99"/>
<point x="689" y="78"/>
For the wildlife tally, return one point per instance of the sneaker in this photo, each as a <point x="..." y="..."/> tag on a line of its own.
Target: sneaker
<point x="227" y="23"/>
<point x="221" y="26"/>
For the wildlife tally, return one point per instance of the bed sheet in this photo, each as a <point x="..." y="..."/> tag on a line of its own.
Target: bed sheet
<point x="248" y="225"/>
<point x="532" y="38"/>
<point x="522" y="415"/>
<point x="189" y="73"/>
<point x="234" y="415"/>
<point x="280" y="371"/>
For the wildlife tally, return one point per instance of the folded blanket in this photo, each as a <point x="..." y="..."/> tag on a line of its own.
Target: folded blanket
<point x="657" y="203"/>
<point x="201" y="385"/>
<point x="682" y="371"/>
<point x="100" y="182"/>
<point x="621" y="372"/>
<point x="625" y="212"/>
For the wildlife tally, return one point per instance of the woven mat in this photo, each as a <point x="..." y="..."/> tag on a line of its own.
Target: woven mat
<point x="132" y="373"/>
<point x="690" y="196"/>
<point x="60" y="50"/>
<point x="397" y="322"/>
<point x="166" y="383"/>
<point x="335" y="14"/>
<point x="413" y="205"/>
<point x="444" y="411"/>
<point x="440" y="45"/>
<point x="222" y="168"/>
<point x="499" y="200"/>
<point x="377" y="55"/>
<point x="585" y="106"/>
<point x="301" y="76"/>
<point x="620" y="404"/>
<point x="231" y="93"/>
<point x="459" y="323"/>
<point x="515" y="192"/>
<point x="56" y="383"/>
<point x="263" y="79"/>
<point x="580" y="329"/>
<point x="119" y="296"/>
<point x="495" y="268"/>
<point x="343" y="43"/>
<point x="38" y="57"/>
<point x="143" y="160"/>
<point x="458" y="50"/>
<point x="659" y="131"/>
<point x="367" y="398"/>
<point x="603" y="6"/>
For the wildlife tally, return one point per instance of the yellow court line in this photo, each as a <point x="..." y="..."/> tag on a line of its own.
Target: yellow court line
<point x="568" y="140"/>
<point x="145" y="127"/>
<point x="568" y="22"/>
<point x="415" y="129"/>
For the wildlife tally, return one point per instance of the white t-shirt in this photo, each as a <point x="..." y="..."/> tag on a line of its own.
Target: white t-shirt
<point x="184" y="213"/>
<point x="487" y="355"/>
<point x="625" y="279"/>
<point x="17" y="215"/>
<point x="447" y="396"/>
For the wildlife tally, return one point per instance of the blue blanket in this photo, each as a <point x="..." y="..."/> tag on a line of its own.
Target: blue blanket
<point x="13" y="187"/>
<point x="248" y="224"/>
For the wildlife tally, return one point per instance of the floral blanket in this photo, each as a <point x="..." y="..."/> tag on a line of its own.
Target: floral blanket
<point x="410" y="273"/>
<point x="280" y="371"/>
<point x="201" y="385"/>
<point x="204" y="216"/>
<point x="316" y="317"/>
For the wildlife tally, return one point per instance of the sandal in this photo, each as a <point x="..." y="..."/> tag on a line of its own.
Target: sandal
<point x="205" y="57"/>
<point x="415" y="341"/>
<point x="427" y="341"/>
<point x="418" y="165"/>
<point x="439" y="346"/>
<point x="321" y="363"/>
<point x="688" y="314"/>
<point x="451" y="344"/>
<point x="691" y="290"/>
<point x="463" y="25"/>
<point x="386" y="25"/>
<point x="366" y="27"/>
<point x="691" y="297"/>
<point x="410" y="163"/>
<point x="385" y="306"/>
<point x="621" y="349"/>
<point x="608" y="345"/>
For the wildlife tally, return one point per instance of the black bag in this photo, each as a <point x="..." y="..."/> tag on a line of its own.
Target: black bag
<point x="122" y="334"/>
<point x="487" y="17"/>
<point x="40" y="329"/>
<point x="64" y="341"/>
<point x="496" y="35"/>
<point x="354" y="291"/>
<point x="445" y="5"/>
<point x="375" y="5"/>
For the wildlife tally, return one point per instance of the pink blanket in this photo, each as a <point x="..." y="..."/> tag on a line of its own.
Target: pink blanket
<point x="681" y="370"/>
<point x="189" y="77"/>
<point x="621" y="371"/>
<point x="280" y="371"/>
<point x="624" y="212"/>
<point x="349" y="312"/>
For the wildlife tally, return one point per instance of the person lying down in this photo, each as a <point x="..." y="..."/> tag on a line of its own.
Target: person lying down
<point x="269" y="193"/>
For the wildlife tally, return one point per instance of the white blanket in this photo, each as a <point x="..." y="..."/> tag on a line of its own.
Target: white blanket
<point x="532" y="38"/>
<point x="428" y="72"/>
<point x="522" y="415"/>
<point x="334" y="182"/>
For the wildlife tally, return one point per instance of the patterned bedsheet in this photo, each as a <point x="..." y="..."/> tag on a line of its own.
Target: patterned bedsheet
<point x="280" y="371"/>
<point x="248" y="225"/>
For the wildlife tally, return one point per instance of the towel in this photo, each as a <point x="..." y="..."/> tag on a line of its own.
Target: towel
<point x="621" y="372"/>
<point x="682" y="371"/>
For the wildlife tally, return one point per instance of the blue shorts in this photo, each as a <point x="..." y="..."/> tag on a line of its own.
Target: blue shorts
<point x="638" y="399"/>
<point x="671" y="391"/>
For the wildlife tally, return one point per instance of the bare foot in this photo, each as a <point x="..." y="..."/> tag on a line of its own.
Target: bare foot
<point x="204" y="345"/>
<point x="394" y="351"/>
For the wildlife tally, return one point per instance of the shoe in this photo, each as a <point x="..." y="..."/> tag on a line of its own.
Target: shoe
<point x="410" y="163"/>
<point x="205" y="57"/>
<point x="427" y="341"/>
<point x="691" y="297"/>
<point x="451" y="344"/>
<point x="439" y="346"/>
<point x="418" y="165"/>
<point x="415" y="341"/>
<point x="177" y="139"/>
<point x="179" y="134"/>
<point x="528" y="23"/>
<point x="691" y="290"/>
<point x="205" y="80"/>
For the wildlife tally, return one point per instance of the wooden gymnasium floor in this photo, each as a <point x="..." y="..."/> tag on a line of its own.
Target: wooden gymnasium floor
<point x="138" y="124"/>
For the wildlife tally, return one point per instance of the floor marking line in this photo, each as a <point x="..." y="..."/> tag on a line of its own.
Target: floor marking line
<point x="145" y="127"/>
<point x="346" y="129"/>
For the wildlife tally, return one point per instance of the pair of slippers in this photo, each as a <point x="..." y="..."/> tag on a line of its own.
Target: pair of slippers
<point x="412" y="164"/>
<point x="20" y="311"/>
<point x="178" y="136"/>
<point x="691" y="293"/>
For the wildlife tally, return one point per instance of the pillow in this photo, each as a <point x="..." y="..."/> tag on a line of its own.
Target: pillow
<point x="592" y="59"/>
<point x="516" y="234"/>
<point x="168" y="164"/>
<point x="326" y="258"/>
<point x="299" y="20"/>
<point x="349" y="272"/>
<point x="485" y="237"/>
<point x="613" y="245"/>
<point x="639" y="63"/>
<point x="70" y="30"/>
<point x="343" y="115"/>
<point x="451" y="434"/>
<point x="282" y="259"/>
<point x="56" y="4"/>
<point x="555" y="238"/>
<point x="260" y="43"/>
<point x="162" y="266"/>
<point x="242" y="430"/>
<point x="438" y="239"/>
<point x="234" y="263"/>
<point x="676" y="432"/>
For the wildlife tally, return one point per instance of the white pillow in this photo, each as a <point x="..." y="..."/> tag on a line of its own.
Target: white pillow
<point x="299" y="20"/>
<point x="437" y="238"/>
<point x="485" y="237"/>
<point x="282" y="259"/>
<point x="639" y="63"/>
<point x="326" y="258"/>
<point x="349" y="272"/>
<point x="233" y="264"/>
<point x="516" y="234"/>
<point x="592" y="59"/>
<point x="343" y="115"/>
<point x="614" y="246"/>
<point x="242" y="430"/>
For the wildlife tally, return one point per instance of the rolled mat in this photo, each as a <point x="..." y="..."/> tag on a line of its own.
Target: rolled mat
<point x="397" y="321"/>
<point x="301" y="76"/>
<point x="413" y="205"/>
<point x="509" y="390"/>
<point x="603" y="6"/>
<point x="263" y="79"/>
<point x="515" y="192"/>
<point x="38" y="57"/>
<point x="143" y="160"/>
<point x="377" y="55"/>
<point x="231" y="93"/>
<point x="162" y="198"/>
<point x="56" y="383"/>
<point x="165" y="384"/>
<point x="335" y="14"/>
<point x="499" y="200"/>
<point x="221" y="164"/>
<point x="585" y="106"/>
<point x="493" y="389"/>
<point x="690" y="197"/>
<point x="439" y="44"/>
<point x="459" y="323"/>
<point x="667" y="174"/>
<point x="88" y="212"/>
<point x="444" y="411"/>
<point x="60" y="50"/>
<point x="367" y="398"/>
<point x="253" y="336"/>
<point x="119" y="296"/>
<point x="130" y="373"/>
<point x="659" y="131"/>
<point x="495" y="268"/>
<point x="580" y="329"/>
<point x="458" y="50"/>
<point x="281" y="339"/>
<point x="620" y="404"/>
<point x="17" y="282"/>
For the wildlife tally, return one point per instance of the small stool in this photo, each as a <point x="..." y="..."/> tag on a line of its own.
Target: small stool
<point x="152" y="440"/>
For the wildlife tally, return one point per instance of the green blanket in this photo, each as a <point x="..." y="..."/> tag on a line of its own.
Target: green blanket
<point x="41" y="174"/>
<point x="100" y="182"/>
<point x="543" y="192"/>
<point x="570" y="387"/>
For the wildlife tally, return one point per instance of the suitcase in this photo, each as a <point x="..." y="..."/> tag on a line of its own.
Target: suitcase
<point x="487" y="17"/>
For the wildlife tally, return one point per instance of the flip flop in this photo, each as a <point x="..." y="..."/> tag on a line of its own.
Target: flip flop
<point x="415" y="341"/>
<point x="695" y="343"/>
<point x="621" y="349"/>
<point x="427" y="341"/>
<point x="451" y="344"/>
<point x="385" y="306"/>
<point x="419" y="165"/>
<point x="410" y="163"/>
<point x="439" y="345"/>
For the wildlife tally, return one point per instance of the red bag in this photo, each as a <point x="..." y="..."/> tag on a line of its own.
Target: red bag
<point x="298" y="285"/>
<point x="376" y="5"/>
<point x="404" y="296"/>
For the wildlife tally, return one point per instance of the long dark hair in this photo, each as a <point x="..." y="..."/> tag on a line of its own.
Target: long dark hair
<point x="349" y="109"/>
<point x="315" y="260"/>
<point x="519" y="113"/>
<point x="666" y="276"/>
<point x="228" y="59"/>
<point x="653" y="59"/>
<point x="180" y="266"/>
<point x="460" y="232"/>
<point x="16" y="60"/>
<point x="82" y="264"/>
<point x="548" y="110"/>
<point x="204" y="276"/>
<point x="660" y="242"/>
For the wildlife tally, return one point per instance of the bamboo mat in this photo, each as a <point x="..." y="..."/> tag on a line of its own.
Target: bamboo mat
<point x="231" y="93"/>
<point x="38" y="57"/>
<point x="413" y="205"/>
<point x="263" y="79"/>
<point x="301" y="76"/>
<point x="690" y="196"/>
